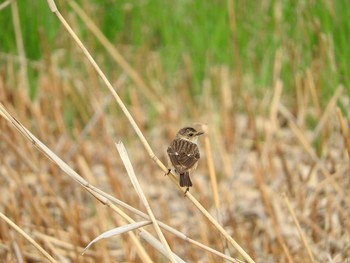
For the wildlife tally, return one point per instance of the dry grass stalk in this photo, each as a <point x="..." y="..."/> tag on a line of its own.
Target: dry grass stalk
<point x="27" y="237"/>
<point x="344" y="130"/>
<point x="113" y="51"/>
<point x="211" y="168"/>
<point x="274" y="105"/>
<point x="101" y="214"/>
<point x="127" y="163"/>
<point x="312" y="87"/>
<point x="103" y="197"/>
<point x="327" y="113"/>
<point x="20" y="47"/>
<point x="226" y="108"/>
<point x="38" y="198"/>
<point x="48" y="153"/>
<point x="140" y="134"/>
<point x="117" y="231"/>
<point x="299" y="97"/>
<point x="308" y="148"/>
<point x="235" y="47"/>
<point x="166" y="227"/>
<point x="212" y="174"/>
<point x="5" y="4"/>
<point x="269" y="210"/>
<point x="301" y="233"/>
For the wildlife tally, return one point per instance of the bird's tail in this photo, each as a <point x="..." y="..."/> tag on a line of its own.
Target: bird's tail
<point x="185" y="180"/>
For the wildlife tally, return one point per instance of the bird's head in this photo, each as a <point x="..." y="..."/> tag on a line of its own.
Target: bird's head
<point x="189" y="134"/>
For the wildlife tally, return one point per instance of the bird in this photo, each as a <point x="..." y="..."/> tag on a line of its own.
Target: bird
<point x="184" y="154"/>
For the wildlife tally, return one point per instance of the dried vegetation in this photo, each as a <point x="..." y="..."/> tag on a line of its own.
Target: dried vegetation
<point x="274" y="169"/>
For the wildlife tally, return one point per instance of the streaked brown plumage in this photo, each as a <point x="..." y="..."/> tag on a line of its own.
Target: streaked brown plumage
<point x="184" y="154"/>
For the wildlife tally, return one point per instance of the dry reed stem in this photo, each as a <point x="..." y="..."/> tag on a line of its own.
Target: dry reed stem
<point x="226" y="107"/>
<point x="269" y="210"/>
<point x="18" y="152"/>
<point x="184" y="91"/>
<point x="327" y="113"/>
<point x="139" y="133"/>
<point x="158" y="246"/>
<point x="94" y="118"/>
<point x="136" y="242"/>
<point x="20" y="47"/>
<point x="300" y="231"/>
<point x="113" y="51"/>
<point x="125" y="218"/>
<point x="125" y="228"/>
<point x="27" y="237"/>
<point x="312" y="87"/>
<point x="204" y="237"/>
<point x="166" y="227"/>
<point x="225" y="156"/>
<point x="306" y="145"/>
<point x="130" y="170"/>
<point x="301" y="100"/>
<point x="344" y="130"/>
<point x="50" y="155"/>
<point x="274" y="105"/>
<point x="235" y="45"/>
<point x="139" y="247"/>
<point x="212" y="174"/>
<point x="286" y="170"/>
<point x="277" y="66"/>
<point x="219" y="227"/>
<point x="143" y="233"/>
<point x="57" y="244"/>
<point x="101" y="196"/>
<point x="31" y="256"/>
<point x="5" y="4"/>
<point x="68" y="246"/>
<point x="143" y="254"/>
<point x="106" y="81"/>
<point x="211" y="168"/>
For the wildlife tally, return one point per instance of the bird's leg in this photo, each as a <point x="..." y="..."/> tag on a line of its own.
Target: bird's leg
<point x="187" y="189"/>
<point x="169" y="170"/>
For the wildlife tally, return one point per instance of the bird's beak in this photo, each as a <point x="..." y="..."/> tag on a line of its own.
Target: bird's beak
<point x="200" y="133"/>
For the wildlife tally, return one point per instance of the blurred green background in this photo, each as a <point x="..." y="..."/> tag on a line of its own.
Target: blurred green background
<point x="310" y="34"/>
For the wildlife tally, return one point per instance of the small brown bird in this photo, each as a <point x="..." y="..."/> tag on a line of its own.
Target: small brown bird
<point x="184" y="154"/>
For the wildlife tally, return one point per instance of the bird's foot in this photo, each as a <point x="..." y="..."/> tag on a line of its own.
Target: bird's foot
<point x="169" y="170"/>
<point x="187" y="189"/>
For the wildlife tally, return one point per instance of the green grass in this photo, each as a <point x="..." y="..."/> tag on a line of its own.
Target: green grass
<point x="200" y="29"/>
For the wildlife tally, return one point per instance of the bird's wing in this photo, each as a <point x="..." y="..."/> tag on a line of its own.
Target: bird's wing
<point x="183" y="155"/>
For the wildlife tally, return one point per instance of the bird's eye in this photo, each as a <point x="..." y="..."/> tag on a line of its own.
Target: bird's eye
<point x="190" y="134"/>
